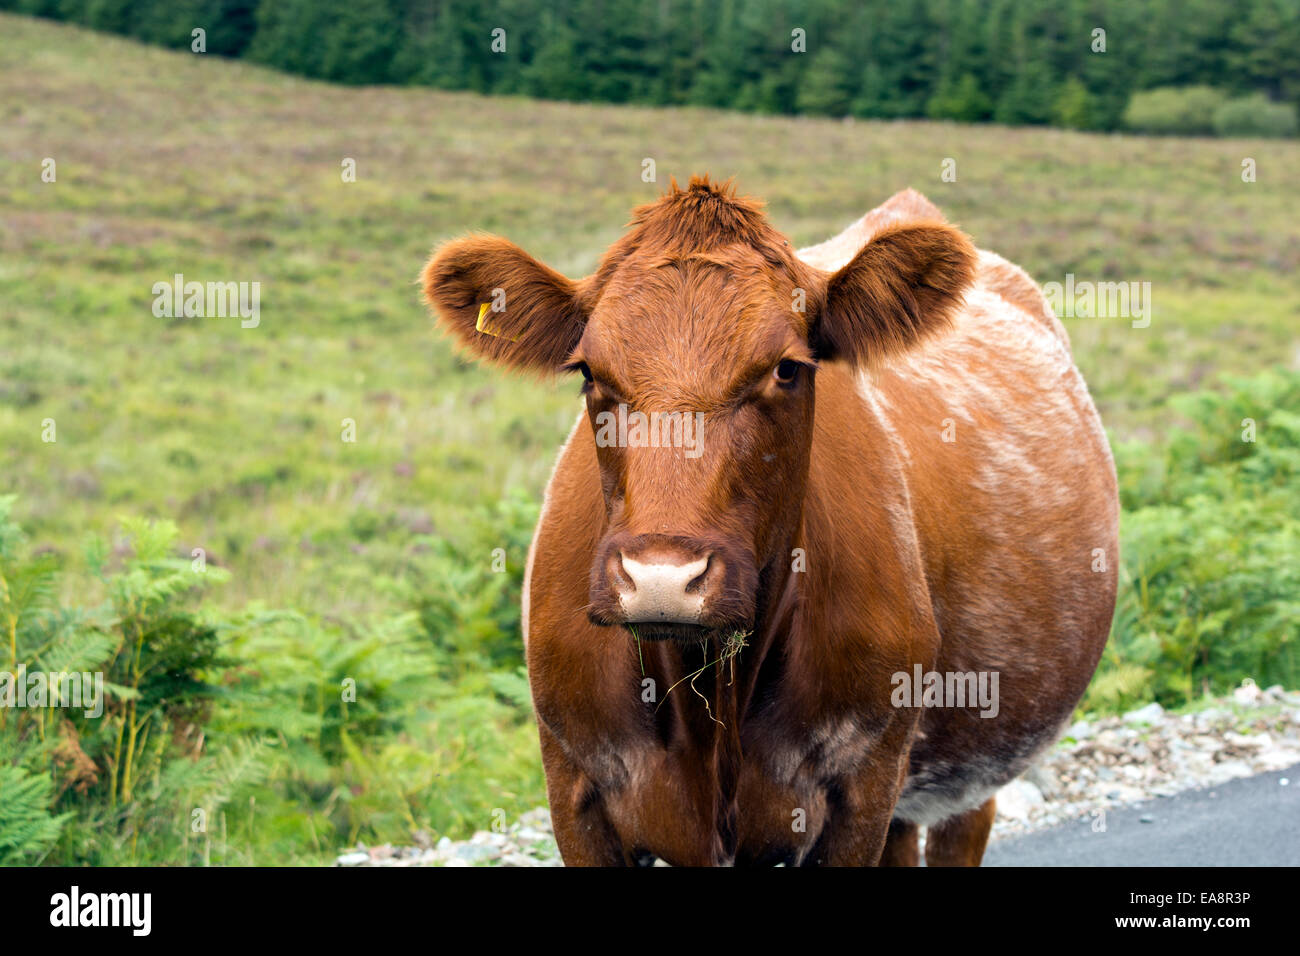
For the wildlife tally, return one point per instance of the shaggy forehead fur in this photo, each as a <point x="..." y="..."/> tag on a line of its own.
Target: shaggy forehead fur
<point x="703" y="217"/>
<point x="700" y="285"/>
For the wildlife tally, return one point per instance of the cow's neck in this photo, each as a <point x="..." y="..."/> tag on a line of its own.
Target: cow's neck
<point x="709" y="693"/>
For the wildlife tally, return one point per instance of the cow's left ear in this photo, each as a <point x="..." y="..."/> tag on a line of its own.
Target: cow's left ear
<point x="504" y="305"/>
<point x="905" y="284"/>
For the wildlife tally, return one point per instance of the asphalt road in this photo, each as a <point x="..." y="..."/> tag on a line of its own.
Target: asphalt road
<point x="1252" y="821"/>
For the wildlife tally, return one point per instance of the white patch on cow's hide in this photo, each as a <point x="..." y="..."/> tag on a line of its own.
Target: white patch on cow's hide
<point x="941" y="790"/>
<point x="1013" y="284"/>
<point x="880" y="409"/>
<point x="933" y="797"/>
<point x="835" y="748"/>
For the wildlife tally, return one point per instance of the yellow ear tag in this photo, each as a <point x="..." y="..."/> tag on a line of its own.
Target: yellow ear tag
<point x="482" y="326"/>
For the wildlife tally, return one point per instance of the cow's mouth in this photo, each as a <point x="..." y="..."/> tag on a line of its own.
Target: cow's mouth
<point x="668" y="631"/>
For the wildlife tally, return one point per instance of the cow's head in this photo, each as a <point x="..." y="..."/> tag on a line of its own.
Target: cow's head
<point x="698" y="342"/>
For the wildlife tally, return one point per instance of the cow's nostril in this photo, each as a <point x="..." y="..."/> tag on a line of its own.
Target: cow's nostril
<point x="619" y="578"/>
<point x="698" y="583"/>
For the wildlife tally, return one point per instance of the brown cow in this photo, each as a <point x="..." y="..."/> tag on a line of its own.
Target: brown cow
<point x="769" y="627"/>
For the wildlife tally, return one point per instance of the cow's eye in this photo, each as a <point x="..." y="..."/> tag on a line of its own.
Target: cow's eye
<point x="587" y="378"/>
<point x="786" y="371"/>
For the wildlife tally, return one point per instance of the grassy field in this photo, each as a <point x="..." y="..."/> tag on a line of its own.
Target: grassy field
<point x="172" y="163"/>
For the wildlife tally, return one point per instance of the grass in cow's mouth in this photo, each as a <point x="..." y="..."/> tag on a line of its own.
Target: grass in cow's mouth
<point x="637" y="638"/>
<point x="731" y="646"/>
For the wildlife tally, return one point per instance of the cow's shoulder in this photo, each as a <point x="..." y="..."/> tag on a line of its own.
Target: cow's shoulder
<point x="1012" y="285"/>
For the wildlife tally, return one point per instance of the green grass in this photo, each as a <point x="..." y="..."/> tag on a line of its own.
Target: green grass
<point x="171" y="162"/>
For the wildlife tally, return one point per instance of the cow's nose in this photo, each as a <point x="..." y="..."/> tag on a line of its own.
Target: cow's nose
<point x="659" y="588"/>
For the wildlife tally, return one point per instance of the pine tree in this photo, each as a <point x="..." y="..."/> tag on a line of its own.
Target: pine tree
<point x="823" y="86"/>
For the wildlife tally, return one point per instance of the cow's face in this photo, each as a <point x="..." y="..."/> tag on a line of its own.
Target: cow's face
<point x="698" y="343"/>
<point x="699" y="381"/>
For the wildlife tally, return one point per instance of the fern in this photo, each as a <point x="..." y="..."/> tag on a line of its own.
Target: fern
<point x="27" y="828"/>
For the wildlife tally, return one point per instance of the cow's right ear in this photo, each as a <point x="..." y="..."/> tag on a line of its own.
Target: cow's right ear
<point x="503" y="304"/>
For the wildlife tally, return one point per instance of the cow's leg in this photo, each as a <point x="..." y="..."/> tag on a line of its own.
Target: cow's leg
<point x="960" y="840"/>
<point x="582" y="830"/>
<point x="901" y="845"/>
